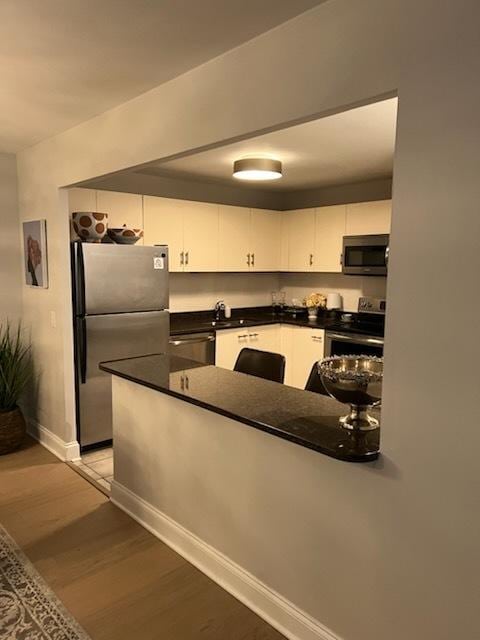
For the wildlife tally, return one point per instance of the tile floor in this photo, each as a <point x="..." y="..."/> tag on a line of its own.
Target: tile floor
<point x="98" y="465"/>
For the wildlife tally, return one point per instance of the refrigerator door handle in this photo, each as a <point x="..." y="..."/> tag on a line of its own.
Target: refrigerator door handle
<point x="82" y="349"/>
<point x="79" y="279"/>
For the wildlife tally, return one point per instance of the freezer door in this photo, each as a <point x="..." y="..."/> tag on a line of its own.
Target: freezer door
<point x="110" y="337"/>
<point x="112" y="278"/>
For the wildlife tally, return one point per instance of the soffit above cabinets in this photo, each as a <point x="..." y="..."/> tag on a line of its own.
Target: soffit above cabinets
<point x="348" y="147"/>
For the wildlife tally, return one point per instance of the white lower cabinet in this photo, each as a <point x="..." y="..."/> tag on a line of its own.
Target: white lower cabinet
<point x="229" y="342"/>
<point x="307" y="348"/>
<point x="301" y="346"/>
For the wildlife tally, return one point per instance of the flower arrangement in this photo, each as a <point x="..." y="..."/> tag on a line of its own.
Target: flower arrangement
<point x="316" y="301"/>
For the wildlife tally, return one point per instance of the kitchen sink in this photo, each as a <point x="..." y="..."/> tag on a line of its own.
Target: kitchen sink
<point x="225" y="324"/>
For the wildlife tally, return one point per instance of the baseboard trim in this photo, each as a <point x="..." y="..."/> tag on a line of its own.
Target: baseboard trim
<point x="65" y="451"/>
<point x="284" y="616"/>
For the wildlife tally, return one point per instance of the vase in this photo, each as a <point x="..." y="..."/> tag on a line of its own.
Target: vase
<point x="90" y="226"/>
<point x="12" y="430"/>
<point x="312" y="313"/>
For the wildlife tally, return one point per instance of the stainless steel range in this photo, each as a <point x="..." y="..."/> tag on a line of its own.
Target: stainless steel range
<point x="363" y="335"/>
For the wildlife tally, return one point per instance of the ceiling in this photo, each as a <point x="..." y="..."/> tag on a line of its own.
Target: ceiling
<point x="63" y="62"/>
<point x="352" y="146"/>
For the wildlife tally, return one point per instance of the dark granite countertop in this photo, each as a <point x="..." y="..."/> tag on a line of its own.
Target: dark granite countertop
<point x="304" y="418"/>
<point x="199" y="321"/>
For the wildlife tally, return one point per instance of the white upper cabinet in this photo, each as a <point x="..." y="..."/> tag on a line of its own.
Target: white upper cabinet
<point x="200" y="236"/>
<point x="248" y="239"/>
<point x="233" y="238"/>
<point x="190" y="229"/>
<point x="163" y="220"/>
<point x="301" y="239"/>
<point x="82" y="200"/>
<point x="265" y="241"/>
<point x="122" y="209"/>
<point x="368" y="218"/>
<point x="330" y="224"/>
<point x="284" y="242"/>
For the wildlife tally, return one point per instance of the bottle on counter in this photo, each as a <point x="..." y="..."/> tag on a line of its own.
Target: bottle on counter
<point x="228" y="311"/>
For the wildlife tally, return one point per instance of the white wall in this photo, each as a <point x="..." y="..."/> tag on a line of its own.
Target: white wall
<point x="340" y="54"/>
<point x="300" y="285"/>
<point x="10" y="251"/>
<point x="199" y="291"/>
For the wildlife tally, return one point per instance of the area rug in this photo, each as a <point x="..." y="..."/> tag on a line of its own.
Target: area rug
<point x="29" y="610"/>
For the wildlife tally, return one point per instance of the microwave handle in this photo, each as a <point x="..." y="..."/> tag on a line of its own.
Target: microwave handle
<point x="387" y="255"/>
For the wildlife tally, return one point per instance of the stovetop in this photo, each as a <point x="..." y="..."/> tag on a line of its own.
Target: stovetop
<point x="363" y="323"/>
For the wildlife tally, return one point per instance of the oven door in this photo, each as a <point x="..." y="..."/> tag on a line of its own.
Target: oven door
<point x="352" y="344"/>
<point x="365" y="255"/>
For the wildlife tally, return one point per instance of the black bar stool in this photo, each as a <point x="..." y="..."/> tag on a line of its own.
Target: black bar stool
<point x="262" y="364"/>
<point x="314" y="382"/>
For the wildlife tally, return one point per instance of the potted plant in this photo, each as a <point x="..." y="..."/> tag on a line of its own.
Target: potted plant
<point x="15" y="374"/>
<point x="314" y="302"/>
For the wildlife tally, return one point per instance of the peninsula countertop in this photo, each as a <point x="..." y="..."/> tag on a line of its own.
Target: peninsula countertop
<point x="302" y="417"/>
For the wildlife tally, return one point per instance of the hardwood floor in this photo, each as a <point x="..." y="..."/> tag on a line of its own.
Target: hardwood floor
<point x="118" y="580"/>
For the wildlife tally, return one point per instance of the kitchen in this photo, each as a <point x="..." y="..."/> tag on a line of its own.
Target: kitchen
<point x="239" y="274"/>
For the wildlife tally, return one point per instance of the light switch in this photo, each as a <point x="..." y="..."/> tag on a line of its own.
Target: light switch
<point x="53" y="319"/>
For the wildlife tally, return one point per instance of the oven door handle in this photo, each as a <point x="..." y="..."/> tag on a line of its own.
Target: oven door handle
<point x="355" y="338"/>
<point x="176" y="343"/>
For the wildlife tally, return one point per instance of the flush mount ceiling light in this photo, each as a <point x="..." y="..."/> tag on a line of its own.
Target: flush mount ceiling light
<point x="257" y="169"/>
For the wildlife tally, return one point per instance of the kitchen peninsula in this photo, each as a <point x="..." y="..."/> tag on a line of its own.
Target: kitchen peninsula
<point x="247" y="479"/>
<point x="301" y="417"/>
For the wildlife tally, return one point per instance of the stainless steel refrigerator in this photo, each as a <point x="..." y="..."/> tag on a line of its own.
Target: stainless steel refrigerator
<point x="120" y="301"/>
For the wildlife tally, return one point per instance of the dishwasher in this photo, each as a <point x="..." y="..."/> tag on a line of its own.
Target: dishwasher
<point x="194" y="346"/>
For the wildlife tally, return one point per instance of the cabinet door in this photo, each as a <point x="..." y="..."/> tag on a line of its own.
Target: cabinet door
<point x="329" y="231"/>
<point x="286" y="349"/>
<point x="284" y="241"/>
<point x="228" y="344"/>
<point x="233" y="238"/>
<point x="200" y="236"/>
<point x="80" y="200"/>
<point x="265" y="242"/>
<point x="122" y="208"/>
<point x="163" y="220"/>
<point x="301" y="234"/>
<point x="308" y="348"/>
<point x="368" y="218"/>
<point x="265" y="338"/>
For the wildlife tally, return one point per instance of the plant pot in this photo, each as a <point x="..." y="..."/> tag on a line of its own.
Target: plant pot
<point x="12" y="430"/>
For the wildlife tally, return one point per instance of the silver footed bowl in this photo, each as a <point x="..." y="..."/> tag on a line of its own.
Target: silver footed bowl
<point x="357" y="381"/>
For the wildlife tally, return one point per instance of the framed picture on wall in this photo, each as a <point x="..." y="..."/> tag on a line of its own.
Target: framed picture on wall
<point x="35" y="253"/>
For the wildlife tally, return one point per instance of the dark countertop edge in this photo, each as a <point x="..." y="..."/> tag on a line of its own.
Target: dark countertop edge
<point x="251" y="423"/>
<point x="321" y="324"/>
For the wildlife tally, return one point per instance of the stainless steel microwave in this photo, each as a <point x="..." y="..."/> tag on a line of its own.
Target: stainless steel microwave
<point x="365" y="255"/>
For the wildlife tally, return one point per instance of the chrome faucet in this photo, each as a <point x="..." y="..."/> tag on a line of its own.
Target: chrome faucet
<point x="218" y="310"/>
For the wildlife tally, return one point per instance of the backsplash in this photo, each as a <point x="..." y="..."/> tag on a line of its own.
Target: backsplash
<point x="200" y="291"/>
<point x="299" y="285"/>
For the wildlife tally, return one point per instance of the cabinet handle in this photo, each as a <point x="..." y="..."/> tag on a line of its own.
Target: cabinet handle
<point x="182" y="383"/>
<point x="253" y="259"/>
<point x="187" y="383"/>
<point x="311" y="259"/>
<point x="253" y="335"/>
<point x="182" y="258"/>
<point x="248" y="259"/>
<point x="341" y="259"/>
<point x="319" y="338"/>
<point x="186" y="258"/>
<point x="244" y="335"/>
